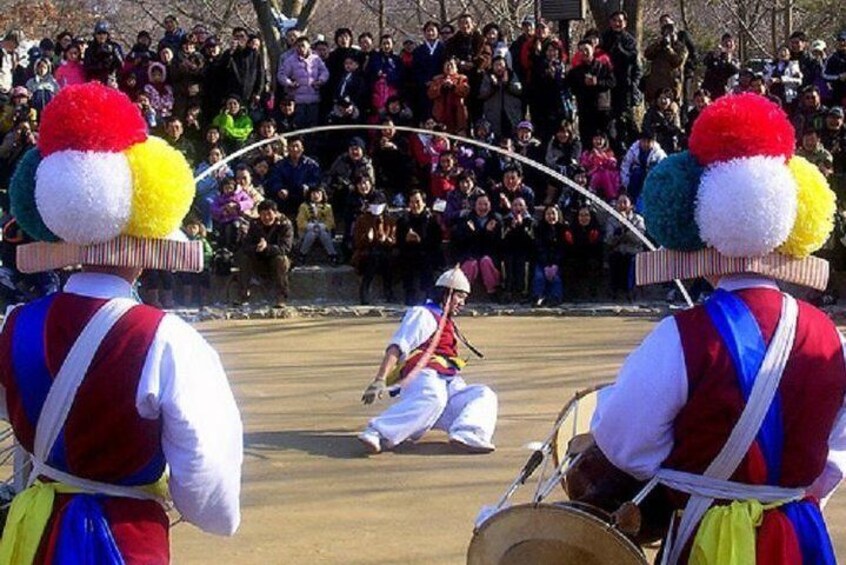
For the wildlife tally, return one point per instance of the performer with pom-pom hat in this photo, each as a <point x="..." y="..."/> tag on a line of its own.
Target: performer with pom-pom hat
<point x="119" y="407"/>
<point x="733" y="411"/>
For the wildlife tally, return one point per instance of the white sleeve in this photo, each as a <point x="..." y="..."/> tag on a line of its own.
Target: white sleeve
<point x="416" y="327"/>
<point x="184" y="383"/>
<point x="633" y="422"/>
<point x="835" y="465"/>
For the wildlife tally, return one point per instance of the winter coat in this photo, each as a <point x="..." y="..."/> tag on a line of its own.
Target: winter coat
<point x="789" y="77"/>
<point x="666" y="68"/>
<point x="563" y="156"/>
<point x="472" y="240"/>
<point x="427" y="63"/>
<point x="311" y="212"/>
<point x="522" y="191"/>
<point x="70" y="72"/>
<point x="601" y="167"/>
<point x="518" y="239"/>
<point x="428" y="249"/>
<point x="43" y="90"/>
<point x="549" y="243"/>
<point x="448" y="101"/>
<point x="372" y="234"/>
<point x="621" y="239"/>
<point x="501" y="98"/>
<point x="244" y="73"/>
<point x="631" y="168"/>
<point x="236" y="128"/>
<point x="308" y="73"/>
<point x="279" y="237"/>
<point x="220" y="206"/>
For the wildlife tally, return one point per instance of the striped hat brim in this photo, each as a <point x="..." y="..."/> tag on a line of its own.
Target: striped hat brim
<point x="665" y="265"/>
<point x="122" y="251"/>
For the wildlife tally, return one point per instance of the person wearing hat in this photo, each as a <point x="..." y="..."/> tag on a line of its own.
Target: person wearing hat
<point x="18" y="111"/>
<point x="422" y="363"/>
<point x="117" y="406"/>
<point x="103" y="57"/>
<point x="742" y="399"/>
<point x="835" y="71"/>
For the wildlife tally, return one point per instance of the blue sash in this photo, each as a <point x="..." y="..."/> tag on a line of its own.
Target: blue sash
<point x="85" y="536"/>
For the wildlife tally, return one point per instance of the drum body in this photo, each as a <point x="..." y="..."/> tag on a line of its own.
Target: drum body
<point x="564" y="533"/>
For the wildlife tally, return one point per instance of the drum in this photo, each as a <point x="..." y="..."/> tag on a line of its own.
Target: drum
<point x="564" y="533"/>
<point x="574" y="423"/>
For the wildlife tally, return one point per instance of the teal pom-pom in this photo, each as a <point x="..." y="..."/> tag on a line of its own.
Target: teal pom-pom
<point x="669" y="202"/>
<point x="22" y="196"/>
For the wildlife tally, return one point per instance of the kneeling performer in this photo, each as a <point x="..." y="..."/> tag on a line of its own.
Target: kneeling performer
<point x="422" y="358"/>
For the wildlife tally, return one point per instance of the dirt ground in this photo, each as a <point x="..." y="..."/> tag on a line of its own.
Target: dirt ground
<point x="310" y="495"/>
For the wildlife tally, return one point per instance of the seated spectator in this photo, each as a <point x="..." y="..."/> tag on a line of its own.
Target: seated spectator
<point x="448" y="92"/>
<point x="290" y="178"/>
<point x="391" y="163"/>
<point x="623" y="245"/>
<point x="812" y="149"/>
<point x="344" y="113"/>
<point x="234" y="123"/>
<point x="209" y="187"/>
<point x="147" y="111"/>
<point x="444" y="177"/>
<point x="664" y="121"/>
<point x="518" y="234"/>
<point x="339" y="178"/>
<point x="572" y="200"/>
<point x="583" y="255"/>
<point x="228" y="211"/>
<point x="476" y="244"/>
<point x="562" y="155"/>
<point x="547" y="287"/>
<point x="721" y="66"/>
<point x="639" y="160"/>
<point x="500" y="93"/>
<point x="71" y="71"/>
<point x="459" y="202"/>
<point x="419" y="243"/>
<point x="783" y="76"/>
<point x="600" y="164"/>
<point x="244" y="180"/>
<point x="265" y="252"/>
<point x="315" y="221"/>
<point x="159" y="92"/>
<point x="511" y="187"/>
<point x="744" y="79"/>
<point x="495" y="165"/>
<point x="42" y="85"/>
<point x="834" y="140"/>
<point x="174" y="135"/>
<point x="156" y="288"/>
<point x="758" y="86"/>
<point x="362" y="195"/>
<point x="810" y="113"/>
<point x="15" y="145"/>
<point x="195" y="286"/>
<point x="284" y="114"/>
<point x="213" y="139"/>
<point x="426" y="149"/>
<point x="398" y="112"/>
<point x="261" y="168"/>
<point x="374" y="239"/>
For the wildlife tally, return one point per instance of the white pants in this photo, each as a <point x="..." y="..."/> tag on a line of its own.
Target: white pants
<point x="466" y="412"/>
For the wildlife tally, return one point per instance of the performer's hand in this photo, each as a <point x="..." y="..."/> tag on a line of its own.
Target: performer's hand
<point x="374" y="390"/>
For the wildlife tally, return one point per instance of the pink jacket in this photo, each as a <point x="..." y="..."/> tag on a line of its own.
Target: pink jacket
<point x="69" y="73"/>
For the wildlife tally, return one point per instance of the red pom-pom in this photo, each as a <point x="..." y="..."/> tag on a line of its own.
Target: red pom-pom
<point x="744" y="125"/>
<point x="90" y="117"/>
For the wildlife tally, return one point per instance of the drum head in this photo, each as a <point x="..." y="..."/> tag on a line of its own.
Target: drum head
<point x="550" y="534"/>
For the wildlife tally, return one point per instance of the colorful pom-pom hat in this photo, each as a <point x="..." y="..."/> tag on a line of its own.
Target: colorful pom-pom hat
<point x="739" y="201"/>
<point x="97" y="190"/>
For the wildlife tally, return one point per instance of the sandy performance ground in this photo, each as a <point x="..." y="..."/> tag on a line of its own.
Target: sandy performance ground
<point x="310" y="495"/>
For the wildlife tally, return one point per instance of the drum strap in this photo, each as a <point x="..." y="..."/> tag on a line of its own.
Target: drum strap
<point x="714" y="484"/>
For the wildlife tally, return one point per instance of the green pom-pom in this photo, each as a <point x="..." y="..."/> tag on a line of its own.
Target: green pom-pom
<point x="669" y="202"/>
<point x="22" y="196"/>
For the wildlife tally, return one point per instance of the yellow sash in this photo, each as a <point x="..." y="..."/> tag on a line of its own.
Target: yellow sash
<point x="726" y="534"/>
<point x="30" y="511"/>
<point x="446" y="362"/>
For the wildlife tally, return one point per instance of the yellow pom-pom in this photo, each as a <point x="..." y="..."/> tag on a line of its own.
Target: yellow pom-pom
<point x="163" y="188"/>
<point x="815" y="211"/>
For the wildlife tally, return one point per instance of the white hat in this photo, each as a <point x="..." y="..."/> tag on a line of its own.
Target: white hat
<point x="455" y="279"/>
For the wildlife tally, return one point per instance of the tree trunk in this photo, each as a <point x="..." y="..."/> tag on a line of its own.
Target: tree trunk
<point x="602" y="9"/>
<point x="270" y="35"/>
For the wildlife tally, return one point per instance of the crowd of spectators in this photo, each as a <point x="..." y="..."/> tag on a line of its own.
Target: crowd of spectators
<point x="400" y="205"/>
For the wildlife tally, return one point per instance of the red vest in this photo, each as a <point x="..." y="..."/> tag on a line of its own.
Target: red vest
<point x="446" y="348"/>
<point x="811" y="392"/>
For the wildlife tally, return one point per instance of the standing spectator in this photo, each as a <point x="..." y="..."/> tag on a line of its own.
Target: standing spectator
<point x="243" y="69"/>
<point x="639" y="160"/>
<point x="70" y="71"/>
<point x="365" y="49"/>
<point x="591" y="83"/>
<point x="476" y="243"/>
<point x="529" y="146"/>
<point x="302" y="75"/>
<point x="351" y="83"/>
<point x="234" y="123"/>
<point x="798" y="43"/>
<point x="292" y="177"/>
<point x="783" y="77"/>
<point x="835" y="71"/>
<point x="8" y="63"/>
<point x="214" y="79"/>
<point x="817" y="66"/>
<point x="810" y="113"/>
<point x="141" y="49"/>
<point x="621" y="47"/>
<point x="663" y="120"/>
<point x="518" y="234"/>
<point x="547" y="287"/>
<point x="103" y="57"/>
<point x="447" y="92"/>
<point x="158" y="91"/>
<point x="465" y="44"/>
<point x="336" y="64"/>
<point x="667" y="56"/>
<point x="720" y="66"/>
<point x="266" y="251"/>
<point x="384" y="74"/>
<point x="419" y="243"/>
<point x="511" y="188"/>
<point x="834" y="140"/>
<point x="622" y="246"/>
<point x="374" y="239"/>
<point x="583" y="254"/>
<point x="692" y="60"/>
<point x="173" y="34"/>
<point x="42" y="85"/>
<point x="527" y="36"/>
<point x="551" y="98"/>
<point x="600" y="164"/>
<point x="195" y="286"/>
<point x="428" y="61"/>
<point x="500" y="94"/>
<point x="315" y="221"/>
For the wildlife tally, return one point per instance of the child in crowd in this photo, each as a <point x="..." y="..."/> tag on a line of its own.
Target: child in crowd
<point x="159" y="92"/>
<point x="209" y="187"/>
<point x="600" y="164"/>
<point x="244" y="180"/>
<point x="195" y="286"/>
<point x="42" y="85"/>
<point x="315" y="221"/>
<point x="229" y="210"/>
<point x="547" y="287"/>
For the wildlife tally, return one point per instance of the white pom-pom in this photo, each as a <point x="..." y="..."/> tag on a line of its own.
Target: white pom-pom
<point x="84" y="197"/>
<point x="746" y="207"/>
